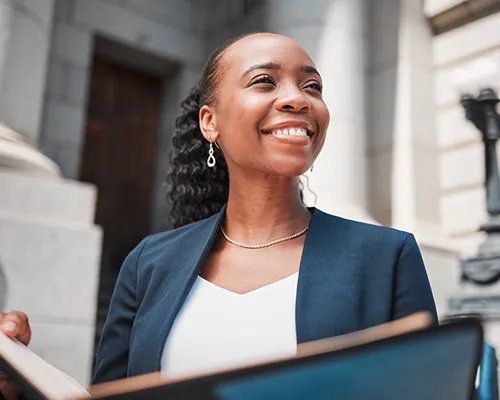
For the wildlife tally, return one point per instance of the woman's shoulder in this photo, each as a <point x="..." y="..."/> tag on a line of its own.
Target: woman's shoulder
<point x="363" y="231"/>
<point x="177" y="239"/>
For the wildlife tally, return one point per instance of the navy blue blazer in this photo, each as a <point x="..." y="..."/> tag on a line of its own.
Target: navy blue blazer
<point x="352" y="276"/>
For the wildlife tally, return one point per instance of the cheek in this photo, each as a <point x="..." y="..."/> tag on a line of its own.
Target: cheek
<point x="243" y="114"/>
<point x="252" y="108"/>
<point x="239" y="121"/>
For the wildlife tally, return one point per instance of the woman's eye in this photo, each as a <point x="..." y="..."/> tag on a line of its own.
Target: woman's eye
<point x="316" y="86"/>
<point x="263" y="79"/>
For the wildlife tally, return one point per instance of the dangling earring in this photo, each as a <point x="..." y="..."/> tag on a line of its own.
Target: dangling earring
<point x="312" y="166"/>
<point x="211" y="159"/>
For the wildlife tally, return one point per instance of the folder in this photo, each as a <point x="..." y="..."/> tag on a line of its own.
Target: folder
<point x="403" y="359"/>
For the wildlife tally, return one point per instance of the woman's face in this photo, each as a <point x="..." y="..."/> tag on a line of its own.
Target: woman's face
<point x="269" y="115"/>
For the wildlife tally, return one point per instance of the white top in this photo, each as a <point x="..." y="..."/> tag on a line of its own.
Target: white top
<point x="219" y="329"/>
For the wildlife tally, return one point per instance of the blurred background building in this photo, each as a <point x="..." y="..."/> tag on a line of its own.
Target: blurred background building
<point x="89" y="90"/>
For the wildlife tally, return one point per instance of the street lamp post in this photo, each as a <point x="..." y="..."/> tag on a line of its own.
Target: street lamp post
<point x="480" y="286"/>
<point x="481" y="111"/>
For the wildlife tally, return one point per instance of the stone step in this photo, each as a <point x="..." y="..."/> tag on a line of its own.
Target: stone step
<point x="48" y="199"/>
<point x="51" y="273"/>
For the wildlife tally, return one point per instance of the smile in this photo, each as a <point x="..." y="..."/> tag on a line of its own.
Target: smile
<point x="289" y="135"/>
<point x="301" y="132"/>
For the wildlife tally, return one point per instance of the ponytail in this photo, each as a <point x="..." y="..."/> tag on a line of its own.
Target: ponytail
<point x="194" y="190"/>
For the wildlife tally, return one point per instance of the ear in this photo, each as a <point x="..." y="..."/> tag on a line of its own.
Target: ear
<point x="208" y="123"/>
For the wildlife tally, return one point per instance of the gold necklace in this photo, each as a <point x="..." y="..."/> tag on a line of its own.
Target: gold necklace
<point x="260" y="246"/>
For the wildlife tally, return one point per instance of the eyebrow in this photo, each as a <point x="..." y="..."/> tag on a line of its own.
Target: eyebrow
<point x="276" y="67"/>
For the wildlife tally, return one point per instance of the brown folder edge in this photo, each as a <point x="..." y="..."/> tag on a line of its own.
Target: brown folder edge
<point x="414" y="322"/>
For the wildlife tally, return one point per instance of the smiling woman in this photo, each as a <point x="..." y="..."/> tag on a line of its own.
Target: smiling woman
<point x="249" y="271"/>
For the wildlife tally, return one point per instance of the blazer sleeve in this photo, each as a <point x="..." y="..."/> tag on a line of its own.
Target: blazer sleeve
<point x="113" y="353"/>
<point x="412" y="291"/>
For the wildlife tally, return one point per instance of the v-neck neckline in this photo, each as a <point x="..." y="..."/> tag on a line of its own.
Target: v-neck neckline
<point x="251" y="292"/>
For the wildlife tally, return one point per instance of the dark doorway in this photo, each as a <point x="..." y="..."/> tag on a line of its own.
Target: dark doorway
<point x="119" y="156"/>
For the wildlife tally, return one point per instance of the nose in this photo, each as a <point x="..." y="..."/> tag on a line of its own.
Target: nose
<point x="292" y="99"/>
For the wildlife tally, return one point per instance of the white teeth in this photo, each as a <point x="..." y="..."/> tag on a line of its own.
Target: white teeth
<point x="290" y="132"/>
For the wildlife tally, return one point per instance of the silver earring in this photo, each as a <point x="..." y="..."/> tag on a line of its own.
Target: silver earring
<point x="211" y="158"/>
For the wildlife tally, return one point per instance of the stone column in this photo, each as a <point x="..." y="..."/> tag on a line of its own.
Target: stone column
<point x="415" y="194"/>
<point x="403" y="150"/>
<point x="25" y="29"/>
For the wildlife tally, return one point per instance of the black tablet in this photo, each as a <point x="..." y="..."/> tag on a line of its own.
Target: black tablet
<point x="438" y="363"/>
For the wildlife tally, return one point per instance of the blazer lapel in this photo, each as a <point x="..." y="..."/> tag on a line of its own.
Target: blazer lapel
<point x="174" y="276"/>
<point x="326" y="302"/>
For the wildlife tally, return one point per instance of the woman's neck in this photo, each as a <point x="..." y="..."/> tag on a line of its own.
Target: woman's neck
<point x="261" y="211"/>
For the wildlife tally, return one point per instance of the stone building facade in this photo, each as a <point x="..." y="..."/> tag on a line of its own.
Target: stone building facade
<point x="88" y="93"/>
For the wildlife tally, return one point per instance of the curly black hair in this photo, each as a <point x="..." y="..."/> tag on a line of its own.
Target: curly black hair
<point x="194" y="190"/>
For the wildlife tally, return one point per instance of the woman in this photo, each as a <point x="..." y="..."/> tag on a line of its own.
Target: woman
<point x="250" y="271"/>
